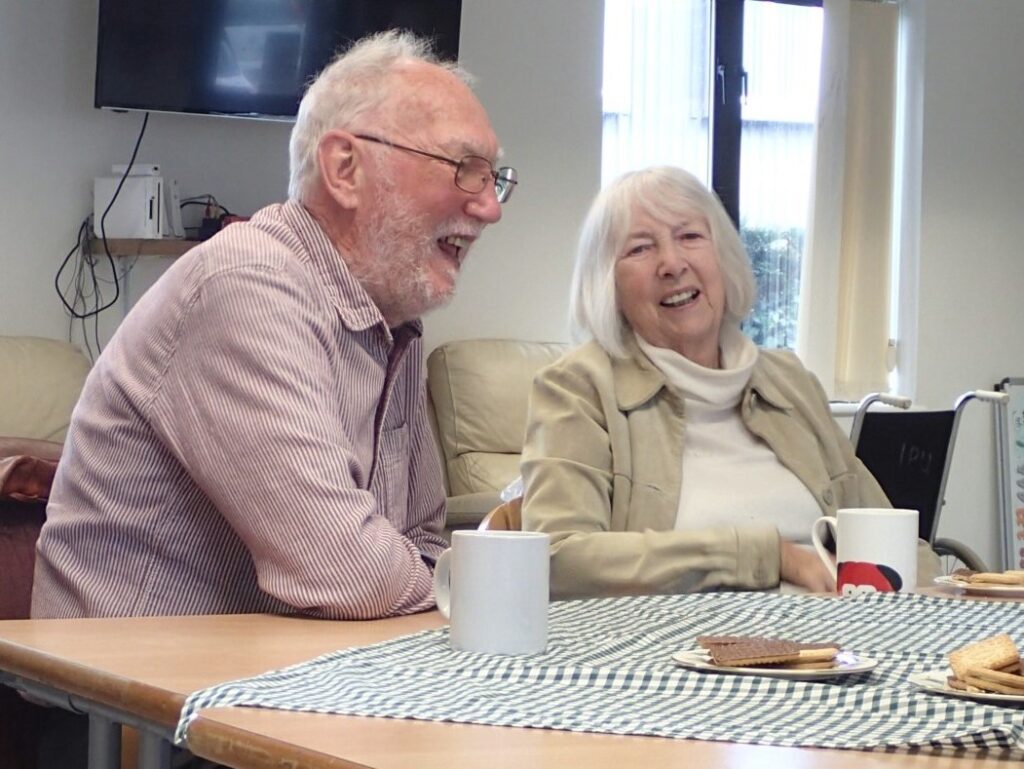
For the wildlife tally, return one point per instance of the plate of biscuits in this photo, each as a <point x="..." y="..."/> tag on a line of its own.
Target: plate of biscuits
<point x="988" y="670"/>
<point x="772" y="657"/>
<point x="1004" y="584"/>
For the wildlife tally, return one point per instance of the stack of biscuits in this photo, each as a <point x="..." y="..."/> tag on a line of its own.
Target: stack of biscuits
<point x="992" y="665"/>
<point x="775" y="653"/>
<point x="1010" y="577"/>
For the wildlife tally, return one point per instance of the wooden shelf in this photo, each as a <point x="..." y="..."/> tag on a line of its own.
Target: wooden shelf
<point x="144" y="247"/>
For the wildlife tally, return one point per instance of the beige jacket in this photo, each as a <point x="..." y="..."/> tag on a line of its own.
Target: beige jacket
<point x="602" y="467"/>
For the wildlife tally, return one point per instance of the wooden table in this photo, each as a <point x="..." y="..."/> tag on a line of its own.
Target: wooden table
<point x="140" y="670"/>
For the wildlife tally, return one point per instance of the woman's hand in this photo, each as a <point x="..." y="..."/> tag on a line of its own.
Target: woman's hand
<point x="802" y="566"/>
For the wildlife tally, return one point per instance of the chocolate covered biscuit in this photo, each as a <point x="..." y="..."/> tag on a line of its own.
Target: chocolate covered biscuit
<point x="755" y="652"/>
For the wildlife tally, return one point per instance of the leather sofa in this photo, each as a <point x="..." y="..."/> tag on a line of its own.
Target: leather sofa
<point x="478" y="391"/>
<point x="39" y="387"/>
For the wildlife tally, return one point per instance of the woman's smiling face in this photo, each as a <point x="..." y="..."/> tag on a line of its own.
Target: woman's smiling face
<point x="668" y="285"/>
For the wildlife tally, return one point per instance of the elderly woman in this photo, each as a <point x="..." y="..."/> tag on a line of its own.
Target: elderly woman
<point x="670" y="454"/>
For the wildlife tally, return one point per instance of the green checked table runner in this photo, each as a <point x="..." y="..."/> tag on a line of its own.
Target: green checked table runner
<point x="608" y="668"/>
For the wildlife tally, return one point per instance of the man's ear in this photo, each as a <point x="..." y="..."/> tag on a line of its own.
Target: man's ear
<point x="339" y="165"/>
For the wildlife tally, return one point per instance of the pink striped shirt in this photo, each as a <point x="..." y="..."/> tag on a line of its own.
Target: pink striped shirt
<point x="253" y="439"/>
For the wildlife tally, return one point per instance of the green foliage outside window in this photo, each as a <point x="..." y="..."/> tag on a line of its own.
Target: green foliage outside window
<point x="775" y="256"/>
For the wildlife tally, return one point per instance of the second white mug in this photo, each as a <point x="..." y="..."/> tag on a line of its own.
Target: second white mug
<point x="493" y="586"/>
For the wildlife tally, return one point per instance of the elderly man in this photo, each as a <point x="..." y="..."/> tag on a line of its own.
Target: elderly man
<point x="254" y="439"/>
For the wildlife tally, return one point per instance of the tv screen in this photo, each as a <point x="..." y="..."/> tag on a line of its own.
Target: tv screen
<point x="247" y="58"/>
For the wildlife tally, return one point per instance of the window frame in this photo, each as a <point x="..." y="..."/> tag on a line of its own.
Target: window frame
<point x="727" y="98"/>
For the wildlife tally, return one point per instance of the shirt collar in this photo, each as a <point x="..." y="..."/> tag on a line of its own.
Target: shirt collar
<point x="355" y="307"/>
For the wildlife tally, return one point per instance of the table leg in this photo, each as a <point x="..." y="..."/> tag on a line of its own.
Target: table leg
<point x="154" y="751"/>
<point x="104" y="742"/>
<point x="104" y="726"/>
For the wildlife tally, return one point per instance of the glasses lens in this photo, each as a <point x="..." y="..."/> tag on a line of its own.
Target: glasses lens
<point x="473" y="174"/>
<point x="505" y="183"/>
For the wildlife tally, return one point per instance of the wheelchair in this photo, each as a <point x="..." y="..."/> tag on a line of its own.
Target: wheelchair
<point x="910" y="452"/>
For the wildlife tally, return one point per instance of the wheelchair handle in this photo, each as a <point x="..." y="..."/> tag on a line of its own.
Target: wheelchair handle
<point x="982" y="395"/>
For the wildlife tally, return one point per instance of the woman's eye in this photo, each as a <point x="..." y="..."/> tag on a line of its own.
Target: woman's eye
<point x="691" y="236"/>
<point x="638" y="249"/>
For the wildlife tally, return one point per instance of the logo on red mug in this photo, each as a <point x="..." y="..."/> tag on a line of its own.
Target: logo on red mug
<point x="855" y="577"/>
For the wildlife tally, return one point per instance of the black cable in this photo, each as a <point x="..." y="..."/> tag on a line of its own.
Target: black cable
<point x="81" y="293"/>
<point x="206" y="204"/>
<point x="78" y="296"/>
<point x="83" y="228"/>
<point x="207" y="201"/>
<point x="84" y="289"/>
<point x="103" y="218"/>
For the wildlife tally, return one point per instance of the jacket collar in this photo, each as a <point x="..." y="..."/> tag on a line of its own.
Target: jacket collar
<point x="762" y="385"/>
<point x="637" y="380"/>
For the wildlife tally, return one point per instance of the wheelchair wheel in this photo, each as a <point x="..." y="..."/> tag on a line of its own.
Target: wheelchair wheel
<point x="955" y="555"/>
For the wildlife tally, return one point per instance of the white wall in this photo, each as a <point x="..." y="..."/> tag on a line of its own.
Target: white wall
<point x="543" y="96"/>
<point x="53" y="142"/>
<point x="514" y="284"/>
<point x="538" y="63"/>
<point x="971" y="273"/>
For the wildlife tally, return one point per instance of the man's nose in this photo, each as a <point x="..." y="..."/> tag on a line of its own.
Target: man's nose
<point x="484" y="205"/>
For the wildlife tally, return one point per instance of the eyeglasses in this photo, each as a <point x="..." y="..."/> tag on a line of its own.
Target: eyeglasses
<point x="472" y="174"/>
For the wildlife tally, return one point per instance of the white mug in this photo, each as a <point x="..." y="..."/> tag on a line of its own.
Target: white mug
<point x="493" y="587"/>
<point x="876" y="549"/>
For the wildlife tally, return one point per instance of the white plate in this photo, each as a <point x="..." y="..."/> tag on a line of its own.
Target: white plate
<point x="1000" y="591"/>
<point x="849" y="664"/>
<point x="934" y="681"/>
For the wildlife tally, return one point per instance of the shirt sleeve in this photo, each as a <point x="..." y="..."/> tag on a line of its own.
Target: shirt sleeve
<point x="249" y="406"/>
<point x="569" y="483"/>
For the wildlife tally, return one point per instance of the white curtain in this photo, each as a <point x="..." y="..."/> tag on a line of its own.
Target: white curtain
<point x="844" y="318"/>
<point x="656" y="80"/>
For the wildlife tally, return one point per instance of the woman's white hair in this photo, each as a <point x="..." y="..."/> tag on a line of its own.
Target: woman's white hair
<point x="667" y="194"/>
<point x="353" y="84"/>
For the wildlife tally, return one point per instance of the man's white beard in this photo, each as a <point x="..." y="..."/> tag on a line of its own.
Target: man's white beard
<point x="400" y="249"/>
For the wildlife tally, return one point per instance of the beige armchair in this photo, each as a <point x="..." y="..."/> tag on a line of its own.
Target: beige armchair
<point x="479" y="389"/>
<point x="40" y="385"/>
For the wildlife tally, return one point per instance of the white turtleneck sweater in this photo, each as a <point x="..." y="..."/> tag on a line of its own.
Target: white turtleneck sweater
<point x="730" y="477"/>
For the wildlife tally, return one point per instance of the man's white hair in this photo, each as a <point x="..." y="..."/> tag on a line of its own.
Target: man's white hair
<point x="351" y="86"/>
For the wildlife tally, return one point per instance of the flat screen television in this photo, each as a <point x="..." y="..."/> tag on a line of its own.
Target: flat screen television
<point x="245" y="58"/>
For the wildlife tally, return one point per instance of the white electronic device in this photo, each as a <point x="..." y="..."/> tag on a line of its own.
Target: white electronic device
<point x="174" y="227"/>
<point x="138" y="211"/>
<point x="138" y="169"/>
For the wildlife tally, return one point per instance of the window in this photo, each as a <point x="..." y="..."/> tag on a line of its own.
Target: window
<point x="729" y="91"/>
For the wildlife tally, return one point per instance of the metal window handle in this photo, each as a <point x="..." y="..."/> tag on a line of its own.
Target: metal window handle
<point x="720" y="73"/>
